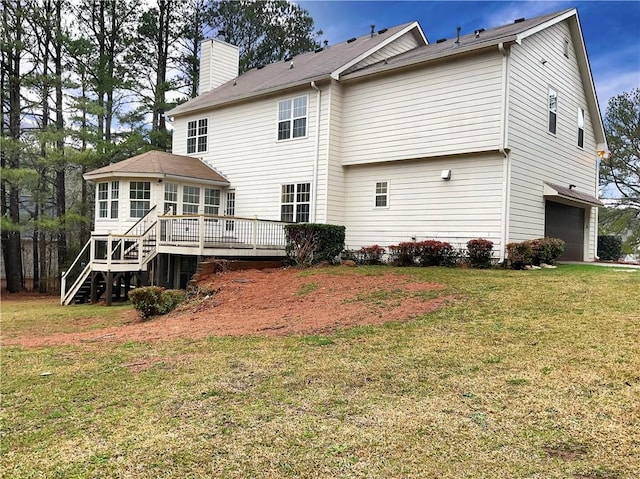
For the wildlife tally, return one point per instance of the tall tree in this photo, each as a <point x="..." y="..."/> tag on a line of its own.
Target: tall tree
<point x="621" y="171"/>
<point x="265" y="31"/>
<point x="12" y="54"/>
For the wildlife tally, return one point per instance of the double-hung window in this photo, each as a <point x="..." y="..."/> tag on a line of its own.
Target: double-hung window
<point x="382" y="194"/>
<point x="108" y="199"/>
<point x="140" y="197"/>
<point x="295" y="202"/>
<point x="170" y="198"/>
<point x="553" y="110"/>
<point x="190" y="200"/>
<point x="197" y="136"/>
<point x="292" y="118"/>
<point x="581" y="127"/>
<point x="211" y="201"/>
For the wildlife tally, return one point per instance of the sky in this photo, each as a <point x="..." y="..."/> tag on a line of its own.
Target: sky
<point x="611" y="29"/>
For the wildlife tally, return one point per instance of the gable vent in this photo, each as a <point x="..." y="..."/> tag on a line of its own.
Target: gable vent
<point x="351" y="40"/>
<point x="519" y="20"/>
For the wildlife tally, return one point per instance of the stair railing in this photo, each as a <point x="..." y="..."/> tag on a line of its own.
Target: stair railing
<point x="76" y="274"/>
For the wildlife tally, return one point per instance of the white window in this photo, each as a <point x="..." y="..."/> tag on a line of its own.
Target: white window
<point x="230" y="209"/>
<point x="211" y="201"/>
<point x="197" y="136"/>
<point x="108" y="199"/>
<point x="553" y="110"/>
<point x="170" y="198"/>
<point x="580" y="127"/>
<point x="140" y="196"/>
<point x="382" y="194"/>
<point x="292" y="118"/>
<point x="190" y="200"/>
<point x="295" y="202"/>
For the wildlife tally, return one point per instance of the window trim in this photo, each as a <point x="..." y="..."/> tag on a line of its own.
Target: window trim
<point x="197" y="135"/>
<point x="168" y="201"/>
<point x="581" y="119"/>
<point x="190" y="203"/>
<point x="110" y="200"/>
<point x="296" y="203"/>
<point x="384" y="195"/>
<point x="292" y="119"/>
<point x="142" y="199"/>
<point x="216" y="206"/>
<point x="552" y="110"/>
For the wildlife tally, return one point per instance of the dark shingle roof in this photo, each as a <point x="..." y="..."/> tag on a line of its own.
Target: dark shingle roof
<point x="572" y="194"/>
<point x="159" y="164"/>
<point x="275" y="76"/>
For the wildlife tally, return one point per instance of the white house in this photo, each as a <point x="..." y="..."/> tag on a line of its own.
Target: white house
<point x="495" y="134"/>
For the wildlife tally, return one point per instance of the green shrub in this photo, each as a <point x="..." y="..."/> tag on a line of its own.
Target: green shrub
<point x="479" y="253"/>
<point x="370" y="254"/>
<point x="519" y="254"/>
<point x="546" y="250"/>
<point x="403" y="254"/>
<point x="435" y="253"/>
<point x="154" y="300"/>
<point x="609" y="247"/>
<point x="311" y="243"/>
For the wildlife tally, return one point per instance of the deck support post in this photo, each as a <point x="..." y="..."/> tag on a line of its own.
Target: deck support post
<point x="109" y="290"/>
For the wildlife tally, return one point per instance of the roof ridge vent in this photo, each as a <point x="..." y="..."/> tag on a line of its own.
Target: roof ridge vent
<point x="458" y="36"/>
<point x="260" y="66"/>
<point x="519" y="20"/>
<point x="351" y="40"/>
<point x="384" y="30"/>
<point x="373" y="30"/>
<point x="478" y="32"/>
<point x="288" y="58"/>
<point x="318" y="50"/>
<point x="441" y="40"/>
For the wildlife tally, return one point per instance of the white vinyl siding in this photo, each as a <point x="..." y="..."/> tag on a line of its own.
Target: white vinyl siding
<point x="403" y="44"/>
<point x="537" y="156"/>
<point x="424" y="206"/>
<point x="248" y="155"/>
<point x="449" y="108"/>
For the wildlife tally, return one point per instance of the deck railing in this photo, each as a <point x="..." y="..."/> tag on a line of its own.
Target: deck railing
<point x="221" y="231"/>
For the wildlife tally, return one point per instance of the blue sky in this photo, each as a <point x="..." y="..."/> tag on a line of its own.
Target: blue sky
<point x="611" y="29"/>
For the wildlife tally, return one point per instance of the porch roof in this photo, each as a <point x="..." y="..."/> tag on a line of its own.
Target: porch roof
<point x="159" y="164"/>
<point x="554" y="191"/>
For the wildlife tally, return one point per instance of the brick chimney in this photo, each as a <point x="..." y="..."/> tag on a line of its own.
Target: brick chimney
<point x="218" y="64"/>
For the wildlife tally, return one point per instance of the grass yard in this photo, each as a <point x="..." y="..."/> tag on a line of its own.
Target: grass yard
<point x="520" y="374"/>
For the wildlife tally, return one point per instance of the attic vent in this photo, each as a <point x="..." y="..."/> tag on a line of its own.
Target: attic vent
<point x="318" y="50"/>
<point x="519" y="20"/>
<point x="351" y="40"/>
<point x="260" y="66"/>
<point x="384" y="30"/>
<point x="442" y="40"/>
<point x="478" y="32"/>
<point x="288" y="58"/>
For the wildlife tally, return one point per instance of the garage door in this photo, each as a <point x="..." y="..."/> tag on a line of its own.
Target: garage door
<point x="567" y="223"/>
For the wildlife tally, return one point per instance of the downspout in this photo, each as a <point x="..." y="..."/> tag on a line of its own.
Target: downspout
<point x="316" y="159"/>
<point x="506" y="165"/>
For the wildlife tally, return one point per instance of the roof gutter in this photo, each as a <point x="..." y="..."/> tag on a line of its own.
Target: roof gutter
<point x="503" y="148"/>
<point x="316" y="156"/>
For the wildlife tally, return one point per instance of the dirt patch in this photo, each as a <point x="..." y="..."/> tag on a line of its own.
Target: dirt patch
<point x="273" y="302"/>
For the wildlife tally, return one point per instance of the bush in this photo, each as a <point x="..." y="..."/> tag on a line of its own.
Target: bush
<point x="520" y="254"/>
<point x="403" y="254"/>
<point x="435" y="253"/>
<point x="546" y="250"/>
<point x="370" y="254"/>
<point x="480" y="253"/>
<point x="609" y="247"/>
<point x="311" y="243"/>
<point x="154" y="300"/>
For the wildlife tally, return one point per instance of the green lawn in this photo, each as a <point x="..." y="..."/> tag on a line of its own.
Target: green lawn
<point x="530" y="374"/>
